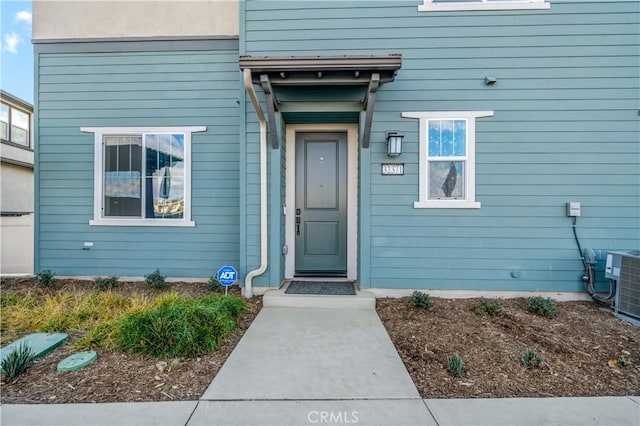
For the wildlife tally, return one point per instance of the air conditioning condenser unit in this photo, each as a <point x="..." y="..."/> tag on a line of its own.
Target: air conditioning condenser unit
<point x="624" y="268"/>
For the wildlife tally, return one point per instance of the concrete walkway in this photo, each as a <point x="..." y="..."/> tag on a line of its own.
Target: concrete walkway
<point x="301" y="354"/>
<point x="604" y="411"/>
<point x="325" y="366"/>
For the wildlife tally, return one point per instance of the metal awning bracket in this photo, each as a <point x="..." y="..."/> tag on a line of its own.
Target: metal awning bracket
<point x="369" y="102"/>
<point x="272" y="107"/>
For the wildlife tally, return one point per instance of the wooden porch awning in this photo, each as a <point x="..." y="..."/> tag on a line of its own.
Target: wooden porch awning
<point x="272" y="72"/>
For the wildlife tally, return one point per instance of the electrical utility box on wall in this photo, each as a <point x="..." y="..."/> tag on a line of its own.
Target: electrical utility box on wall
<point x="573" y="209"/>
<point x="624" y="268"/>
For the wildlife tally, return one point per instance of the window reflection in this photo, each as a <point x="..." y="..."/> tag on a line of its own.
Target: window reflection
<point x="154" y="189"/>
<point x="165" y="176"/>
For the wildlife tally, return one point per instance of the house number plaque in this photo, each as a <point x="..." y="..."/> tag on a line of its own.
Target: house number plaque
<point x="392" y="169"/>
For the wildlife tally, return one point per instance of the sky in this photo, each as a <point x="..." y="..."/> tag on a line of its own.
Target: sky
<point x="16" y="56"/>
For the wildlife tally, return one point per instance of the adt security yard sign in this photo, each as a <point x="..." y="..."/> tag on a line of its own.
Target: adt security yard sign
<point x="227" y="276"/>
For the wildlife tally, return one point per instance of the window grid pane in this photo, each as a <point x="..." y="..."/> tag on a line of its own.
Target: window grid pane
<point x="122" y="162"/>
<point x="460" y="138"/>
<point x="4" y="121"/>
<point x="446" y="180"/>
<point x="19" y="127"/>
<point x="164" y="176"/>
<point x="447" y="138"/>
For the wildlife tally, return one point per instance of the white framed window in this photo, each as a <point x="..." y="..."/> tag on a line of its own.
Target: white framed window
<point x="15" y="125"/>
<point x="447" y="158"/>
<point x="142" y="176"/>
<point x="452" y="5"/>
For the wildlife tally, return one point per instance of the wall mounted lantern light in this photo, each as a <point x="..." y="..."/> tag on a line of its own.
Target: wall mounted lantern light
<point x="394" y="143"/>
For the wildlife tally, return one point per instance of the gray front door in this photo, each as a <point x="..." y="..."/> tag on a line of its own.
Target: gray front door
<point x="321" y="204"/>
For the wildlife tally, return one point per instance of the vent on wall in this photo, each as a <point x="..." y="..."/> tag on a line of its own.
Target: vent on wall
<point x="624" y="267"/>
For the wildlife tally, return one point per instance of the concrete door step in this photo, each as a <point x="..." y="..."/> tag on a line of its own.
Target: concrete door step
<point x="278" y="298"/>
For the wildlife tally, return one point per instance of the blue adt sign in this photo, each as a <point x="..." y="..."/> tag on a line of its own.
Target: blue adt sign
<point x="227" y="276"/>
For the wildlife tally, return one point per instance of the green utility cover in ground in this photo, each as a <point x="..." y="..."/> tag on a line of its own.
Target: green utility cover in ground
<point x="77" y="361"/>
<point x="40" y="344"/>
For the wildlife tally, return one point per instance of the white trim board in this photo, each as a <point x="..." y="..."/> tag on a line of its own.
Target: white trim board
<point x="435" y="6"/>
<point x="352" y="193"/>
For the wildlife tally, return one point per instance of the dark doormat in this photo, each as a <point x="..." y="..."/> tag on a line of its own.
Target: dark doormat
<point x="321" y="287"/>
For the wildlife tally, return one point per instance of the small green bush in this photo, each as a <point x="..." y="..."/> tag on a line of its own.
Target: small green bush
<point x="213" y="285"/>
<point x="530" y="359"/>
<point x="542" y="306"/>
<point x="17" y="361"/>
<point x="177" y="326"/>
<point x="623" y="361"/>
<point x="156" y="279"/>
<point x="45" y="278"/>
<point x="421" y="300"/>
<point x="455" y="365"/>
<point x="105" y="283"/>
<point x="491" y="307"/>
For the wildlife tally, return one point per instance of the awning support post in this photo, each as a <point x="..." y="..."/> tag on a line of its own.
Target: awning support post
<point x="272" y="107"/>
<point x="369" y="102"/>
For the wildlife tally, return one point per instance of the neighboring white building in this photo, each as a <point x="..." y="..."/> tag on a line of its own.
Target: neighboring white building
<point x="16" y="190"/>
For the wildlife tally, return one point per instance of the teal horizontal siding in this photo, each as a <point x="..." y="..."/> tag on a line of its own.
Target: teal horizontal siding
<point x="565" y="128"/>
<point x="135" y="90"/>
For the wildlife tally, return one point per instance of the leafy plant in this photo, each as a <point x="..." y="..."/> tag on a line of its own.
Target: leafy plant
<point x="491" y="307"/>
<point x="623" y="361"/>
<point x="214" y="285"/>
<point x="531" y="359"/>
<point x="17" y="361"/>
<point x="177" y="326"/>
<point x="542" y="306"/>
<point x="421" y="300"/>
<point x="106" y="283"/>
<point x="455" y="365"/>
<point x="156" y="279"/>
<point x="45" y="278"/>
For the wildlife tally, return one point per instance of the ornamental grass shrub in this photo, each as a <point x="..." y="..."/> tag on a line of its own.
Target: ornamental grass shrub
<point x="421" y="300"/>
<point x="45" y="278"/>
<point x="455" y="365"/>
<point x="491" y="307"/>
<point x="530" y="359"/>
<point x="156" y="279"/>
<point x="17" y="361"/>
<point x="542" y="306"/>
<point x="178" y="326"/>
<point x="106" y="283"/>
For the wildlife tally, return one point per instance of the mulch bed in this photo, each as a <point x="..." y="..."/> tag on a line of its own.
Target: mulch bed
<point x="116" y="376"/>
<point x="580" y="346"/>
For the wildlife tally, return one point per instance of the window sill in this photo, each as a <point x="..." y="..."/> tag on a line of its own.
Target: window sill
<point x="142" y="222"/>
<point x="446" y="204"/>
<point x="24" y="146"/>
<point x="448" y="7"/>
